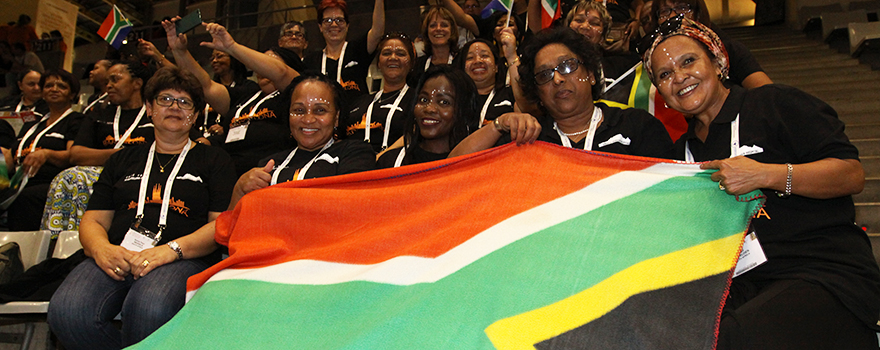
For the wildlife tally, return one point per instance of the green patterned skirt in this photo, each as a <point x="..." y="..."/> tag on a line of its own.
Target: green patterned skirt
<point x="68" y="198"/>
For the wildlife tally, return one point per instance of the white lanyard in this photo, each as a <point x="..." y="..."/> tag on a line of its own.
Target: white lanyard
<point x="207" y="107"/>
<point x="305" y="168"/>
<point x="486" y="107"/>
<point x="338" y="64"/>
<point x="428" y="63"/>
<point x="591" y="132"/>
<point x="121" y="141"/>
<point x="400" y="156"/>
<point x="254" y="108"/>
<point x="34" y="128"/>
<point x="734" y="142"/>
<point x="166" y="195"/>
<point x="20" y="104"/>
<point x="99" y="99"/>
<point x="387" y="117"/>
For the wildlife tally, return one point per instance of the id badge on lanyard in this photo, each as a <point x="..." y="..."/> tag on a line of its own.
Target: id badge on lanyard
<point x="751" y="256"/>
<point x="138" y="238"/>
<point x="239" y="132"/>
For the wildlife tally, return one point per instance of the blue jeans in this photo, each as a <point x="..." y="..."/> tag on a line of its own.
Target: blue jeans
<point x="82" y="309"/>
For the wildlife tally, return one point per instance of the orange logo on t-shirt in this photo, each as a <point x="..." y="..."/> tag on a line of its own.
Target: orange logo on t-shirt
<point x="350" y="85"/>
<point x="111" y="141"/>
<point x="362" y="125"/>
<point x="173" y="204"/>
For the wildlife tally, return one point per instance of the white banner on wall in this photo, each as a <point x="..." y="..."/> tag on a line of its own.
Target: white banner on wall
<point x="58" y="15"/>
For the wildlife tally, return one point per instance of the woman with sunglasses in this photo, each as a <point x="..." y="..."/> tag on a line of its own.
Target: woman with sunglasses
<point x="443" y="114"/>
<point x="745" y="70"/>
<point x="346" y="61"/>
<point x="378" y="118"/>
<point x="558" y="71"/>
<point x="819" y="287"/>
<point x="146" y="205"/>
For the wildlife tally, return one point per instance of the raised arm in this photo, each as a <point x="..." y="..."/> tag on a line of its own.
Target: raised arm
<point x="508" y="42"/>
<point x="378" y="28"/>
<point x="461" y="19"/>
<point x="215" y="93"/>
<point x="274" y="69"/>
<point x="147" y="49"/>
<point x="534" y="16"/>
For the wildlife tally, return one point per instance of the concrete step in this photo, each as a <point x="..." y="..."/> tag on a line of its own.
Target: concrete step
<point x="863" y="131"/>
<point x="871" y="164"/>
<point x="854" y="77"/>
<point x="807" y="47"/>
<point x="866" y="113"/>
<point x="868" y="215"/>
<point x="840" y="93"/>
<point x="799" y="53"/>
<point x="822" y="74"/>
<point x="871" y="193"/>
<point x="867" y="147"/>
<point x="807" y="66"/>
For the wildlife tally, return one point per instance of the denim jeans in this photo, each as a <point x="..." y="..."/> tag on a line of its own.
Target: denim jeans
<point x="82" y="309"/>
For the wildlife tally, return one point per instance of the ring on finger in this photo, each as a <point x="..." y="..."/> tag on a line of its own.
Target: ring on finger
<point x="117" y="270"/>
<point x="145" y="263"/>
<point x="721" y="187"/>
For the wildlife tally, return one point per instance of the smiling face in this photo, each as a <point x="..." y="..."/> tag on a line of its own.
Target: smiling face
<point x="435" y="110"/>
<point x="589" y="24"/>
<point x="394" y="60"/>
<point x="293" y="38"/>
<point x="334" y="32"/>
<point x="171" y="118"/>
<point x="687" y="77"/>
<point x="499" y="25"/>
<point x="121" y="86"/>
<point x="313" y="115"/>
<point x="220" y="62"/>
<point x="56" y="91"/>
<point x="564" y="95"/>
<point x="439" y="31"/>
<point x="30" y="86"/>
<point x="479" y="64"/>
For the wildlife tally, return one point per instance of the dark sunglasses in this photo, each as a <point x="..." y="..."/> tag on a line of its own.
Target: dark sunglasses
<point x="670" y="26"/>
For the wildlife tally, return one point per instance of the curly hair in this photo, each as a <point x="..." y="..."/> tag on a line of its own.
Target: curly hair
<point x="466" y="116"/>
<point x="174" y="78"/>
<point x="66" y="77"/>
<point x="442" y="13"/>
<point x="586" y="6"/>
<point x="588" y="53"/>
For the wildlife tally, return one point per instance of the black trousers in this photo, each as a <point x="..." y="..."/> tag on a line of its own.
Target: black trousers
<point x="26" y="212"/>
<point x="790" y="314"/>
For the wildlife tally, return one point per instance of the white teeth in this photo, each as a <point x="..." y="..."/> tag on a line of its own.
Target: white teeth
<point x="687" y="89"/>
<point x="430" y="121"/>
<point x="309" y="129"/>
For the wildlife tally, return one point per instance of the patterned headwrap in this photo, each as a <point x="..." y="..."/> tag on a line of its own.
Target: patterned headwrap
<point x="682" y="26"/>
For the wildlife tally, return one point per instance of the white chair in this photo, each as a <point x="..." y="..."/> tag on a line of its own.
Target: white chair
<point x="34" y="249"/>
<point x="834" y="21"/>
<point x="66" y="244"/>
<point x="863" y="36"/>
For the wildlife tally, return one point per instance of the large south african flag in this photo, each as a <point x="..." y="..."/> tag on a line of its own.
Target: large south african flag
<point x="115" y="28"/>
<point x="516" y="247"/>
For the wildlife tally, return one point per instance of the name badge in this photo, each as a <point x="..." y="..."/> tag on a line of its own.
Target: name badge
<point x="751" y="256"/>
<point x="237" y="133"/>
<point x="139" y="238"/>
<point x="27" y="116"/>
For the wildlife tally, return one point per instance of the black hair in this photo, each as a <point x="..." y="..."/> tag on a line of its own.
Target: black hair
<point x="466" y="116"/>
<point x="698" y="8"/>
<point x="290" y="58"/>
<point x="239" y="71"/>
<point x="339" y="101"/>
<point x="138" y="70"/>
<point x="66" y="77"/>
<point x="174" y="78"/>
<point x="500" y="68"/>
<point x="589" y="54"/>
<point x="19" y="78"/>
<point x="407" y="43"/>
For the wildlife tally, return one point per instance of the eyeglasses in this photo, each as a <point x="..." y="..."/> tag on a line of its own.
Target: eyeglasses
<point x="168" y="100"/>
<point x="565" y="68"/>
<point x="330" y="20"/>
<point x="290" y="33"/>
<point x="670" y="26"/>
<point x="680" y="9"/>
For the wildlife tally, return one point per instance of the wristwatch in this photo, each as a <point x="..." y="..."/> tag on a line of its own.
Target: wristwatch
<point x="176" y="248"/>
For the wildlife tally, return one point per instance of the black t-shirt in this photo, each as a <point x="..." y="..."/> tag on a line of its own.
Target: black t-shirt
<point x="618" y="9"/>
<point x="10" y="103"/>
<point x="96" y="130"/>
<point x="96" y="101"/>
<point x="268" y="127"/>
<point x="419" y="69"/>
<point x="803" y="238"/>
<point x="203" y="184"/>
<point x="501" y="103"/>
<point x="414" y="155"/>
<point x="355" y="66"/>
<point x="343" y="157"/>
<point x="640" y="134"/>
<point x="7" y="135"/>
<point x="355" y="125"/>
<point x="54" y="139"/>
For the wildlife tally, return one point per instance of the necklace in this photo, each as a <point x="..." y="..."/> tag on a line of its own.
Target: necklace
<point x="162" y="167"/>
<point x="573" y="133"/>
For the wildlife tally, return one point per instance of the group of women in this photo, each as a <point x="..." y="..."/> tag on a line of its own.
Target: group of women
<point x="818" y="289"/>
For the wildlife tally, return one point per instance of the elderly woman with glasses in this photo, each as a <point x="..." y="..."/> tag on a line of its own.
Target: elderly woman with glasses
<point x="559" y="72"/>
<point x="148" y="202"/>
<point x="348" y="62"/>
<point x="819" y="286"/>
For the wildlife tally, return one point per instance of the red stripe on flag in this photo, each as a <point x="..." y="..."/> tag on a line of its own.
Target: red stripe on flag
<point x="107" y="25"/>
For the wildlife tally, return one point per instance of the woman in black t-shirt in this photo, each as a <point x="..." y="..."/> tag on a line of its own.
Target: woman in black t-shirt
<point x="480" y="60"/>
<point x="143" y="214"/>
<point x="43" y="148"/>
<point x="441" y="35"/>
<point x="819" y="287"/>
<point x="443" y="114"/>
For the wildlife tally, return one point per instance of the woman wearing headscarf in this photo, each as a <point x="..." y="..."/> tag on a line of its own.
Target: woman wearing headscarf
<point x="819" y="287"/>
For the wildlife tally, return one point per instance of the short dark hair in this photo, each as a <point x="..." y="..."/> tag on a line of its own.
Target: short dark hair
<point x="292" y="24"/>
<point x="138" y="70"/>
<point x="407" y="43"/>
<point x="66" y="77"/>
<point x="339" y="101"/>
<point x="174" y="78"/>
<point x="588" y="53"/>
<point x="500" y="68"/>
<point x="239" y="71"/>
<point x="698" y="8"/>
<point x="466" y="117"/>
<point x="326" y="4"/>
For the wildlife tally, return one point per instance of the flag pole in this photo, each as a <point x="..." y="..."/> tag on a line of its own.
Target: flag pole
<point x="509" y="11"/>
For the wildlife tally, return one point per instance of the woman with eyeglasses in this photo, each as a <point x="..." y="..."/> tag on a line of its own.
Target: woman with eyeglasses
<point x="443" y="114"/>
<point x="558" y="71"/>
<point x="819" y="286"/>
<point x="441" y="33"/>
<point x="43" y="148"/>
<point x="145" y="207"/>
<point x="745" y="70"/>
<point x="378" y="118"/>
<point x="346" y="61"/>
